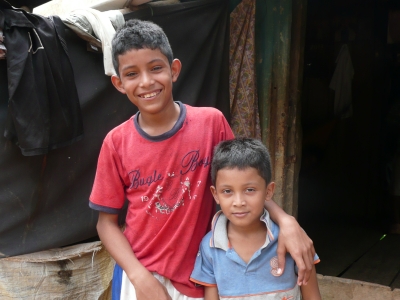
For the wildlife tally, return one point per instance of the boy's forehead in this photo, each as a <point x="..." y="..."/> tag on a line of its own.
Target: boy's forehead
<point x="145" y="55"/>
<point x="234" y="169"/>
<point x="235" y="176"/>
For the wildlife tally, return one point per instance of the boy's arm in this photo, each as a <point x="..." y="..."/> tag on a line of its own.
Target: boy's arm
<point x="292" y="239"/>
<point x="311" y="290"/>
<point x="146" y="286"/>
<point x="211" y="293"/>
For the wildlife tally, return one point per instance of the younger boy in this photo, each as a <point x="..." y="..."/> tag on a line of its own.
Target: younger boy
<point x="159" y="160"/>
<point x="238" y="258"/>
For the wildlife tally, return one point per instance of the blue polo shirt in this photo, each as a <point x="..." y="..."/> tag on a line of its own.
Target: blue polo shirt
<point x="217" y="264"/>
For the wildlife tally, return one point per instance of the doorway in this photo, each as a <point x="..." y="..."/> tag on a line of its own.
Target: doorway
<point x="344" y="193"/>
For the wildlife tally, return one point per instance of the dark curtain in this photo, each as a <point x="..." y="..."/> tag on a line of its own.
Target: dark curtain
<point x="44" y="198"/>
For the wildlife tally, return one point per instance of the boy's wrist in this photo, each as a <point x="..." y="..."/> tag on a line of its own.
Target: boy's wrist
<point x="137" y="274"/>
<point x="287" y="220"/>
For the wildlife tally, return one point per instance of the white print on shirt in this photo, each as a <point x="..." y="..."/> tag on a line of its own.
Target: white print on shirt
<point x="168" y="194"/>
<point x="161" y="204"/>
<point x="186" y="187"/>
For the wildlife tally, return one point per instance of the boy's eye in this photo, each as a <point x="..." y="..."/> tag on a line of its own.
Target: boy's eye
<point x="131" y="74"/>
<point x="226" y="191"/>
<point x="249" y="190"/>
<point x="157" y="68"/>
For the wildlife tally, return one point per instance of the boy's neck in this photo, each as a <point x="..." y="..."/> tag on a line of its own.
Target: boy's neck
<point x="157" y="124"/>
<point x="247" y="240"/>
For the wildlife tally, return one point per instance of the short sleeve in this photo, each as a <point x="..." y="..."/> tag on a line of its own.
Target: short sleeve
<point x="226" y="131"/>
<point x="316" y="259"/>
<point x="108" y="192"/>
<point x="203" y="272"/>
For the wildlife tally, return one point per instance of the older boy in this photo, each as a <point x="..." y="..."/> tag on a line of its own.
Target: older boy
<point x="238" y="258"/>
<point x="159" y="160"/>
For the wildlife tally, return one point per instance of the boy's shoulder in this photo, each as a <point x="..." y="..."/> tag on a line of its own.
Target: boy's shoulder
<point x="204" y="111"/>
<point x="205" y="246"/>
<point x="120" y="134"/>
<point x="121" y="128"/>
<point x="207" y="117"/>
<point x="205" y="242"/>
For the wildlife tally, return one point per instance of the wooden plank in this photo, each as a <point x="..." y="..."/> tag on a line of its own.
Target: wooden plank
<point x="273" y="36"/>
<point x="293" y="146"/>
<point x="339" y="242"/>
<point x="380" y="265"/>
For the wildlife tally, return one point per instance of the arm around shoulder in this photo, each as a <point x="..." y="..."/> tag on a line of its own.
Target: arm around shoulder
<point x="292" y="239"/>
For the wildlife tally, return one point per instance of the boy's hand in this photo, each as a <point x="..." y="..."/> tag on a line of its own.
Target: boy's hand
<point x="147" y="287"/>
<point x="293" y="239"/>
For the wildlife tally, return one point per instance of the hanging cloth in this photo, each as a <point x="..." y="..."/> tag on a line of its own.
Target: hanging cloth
<point x="43" y="105"/>
<point x="341" y="83"/>
<point x="245" y="117"/>
<point x="88" y="21"/>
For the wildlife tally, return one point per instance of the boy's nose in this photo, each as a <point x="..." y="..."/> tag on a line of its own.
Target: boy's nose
<point x="238" y="200"/>
<point x="146" y="80"/>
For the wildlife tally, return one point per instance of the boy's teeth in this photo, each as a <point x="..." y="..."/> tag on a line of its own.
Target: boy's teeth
<point x="149" y="95"/>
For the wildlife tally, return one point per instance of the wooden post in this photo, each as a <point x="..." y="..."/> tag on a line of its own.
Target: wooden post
<point x="294" y="149"/>
<point x="279" y="57"/>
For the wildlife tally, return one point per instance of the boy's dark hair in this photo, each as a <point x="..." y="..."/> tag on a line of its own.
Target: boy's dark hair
<point x="242" y="153"/>
<point x="137" y="34"/>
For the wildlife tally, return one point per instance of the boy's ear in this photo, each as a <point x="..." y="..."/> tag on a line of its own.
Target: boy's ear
<point x="176" y="67"/>
<point x="270" y="190"/>
<point x="214" y="193"/>
<point x="116" y="81"/>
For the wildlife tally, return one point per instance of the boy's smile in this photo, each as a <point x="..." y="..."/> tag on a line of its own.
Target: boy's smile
<point x="241" y="195"/>
<point x="146" y="77"/>
<point x="150" y="95"/>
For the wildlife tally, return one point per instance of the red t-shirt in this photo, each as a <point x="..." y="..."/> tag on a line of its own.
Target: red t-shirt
<point x="167" y="183"/>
